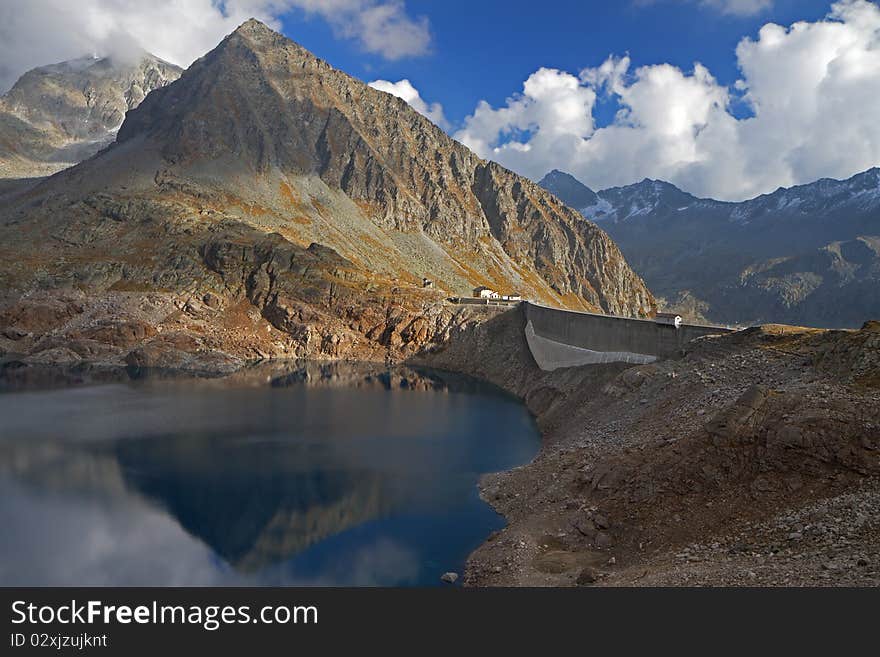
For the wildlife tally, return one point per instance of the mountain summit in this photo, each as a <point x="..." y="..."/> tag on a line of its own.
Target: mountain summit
<point x="263" y="104"/>
<point x="569" y="190"/>
<point x="264" y="175"/>
<point x="55" y="116"/>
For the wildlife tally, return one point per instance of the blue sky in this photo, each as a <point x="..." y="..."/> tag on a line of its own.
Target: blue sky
<point x="483" y="49"/>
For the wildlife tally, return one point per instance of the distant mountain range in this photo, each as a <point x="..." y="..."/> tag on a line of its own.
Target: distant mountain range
<point x="804" y="255"/>
<point x="57" y="115"/>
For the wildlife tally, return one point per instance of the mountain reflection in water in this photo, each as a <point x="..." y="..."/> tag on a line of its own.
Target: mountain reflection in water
<point x="342" y="474"/>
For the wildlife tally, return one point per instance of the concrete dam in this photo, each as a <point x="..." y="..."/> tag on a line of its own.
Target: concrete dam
<point x="565" y="338"/>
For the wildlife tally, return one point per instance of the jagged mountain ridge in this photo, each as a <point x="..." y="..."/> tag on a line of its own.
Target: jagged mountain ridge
<point x="264" y="183"/>
<point x="55" y="116"/>
<point x="805" y="254"/>
<point x="315" y="120"/>
<point x="569" y="189"/>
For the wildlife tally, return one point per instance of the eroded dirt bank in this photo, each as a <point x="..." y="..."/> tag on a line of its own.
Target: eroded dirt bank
<point x="752" y="461"/>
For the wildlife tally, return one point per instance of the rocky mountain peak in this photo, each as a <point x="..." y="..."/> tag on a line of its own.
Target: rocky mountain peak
<point x="87" y="96"/>
<point x="267" y="191"/>
<point x="569" y="189"/>
<point x="656" y="190"/>
<point x="254" y="35"/>
<point x="259" y="104"/>
<point x="258" y="32"/>
<point x="250" y="98"/>
<point x="57" y="115"/>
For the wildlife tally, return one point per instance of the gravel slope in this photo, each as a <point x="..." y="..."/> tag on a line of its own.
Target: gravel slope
<point x="698" y="471"/>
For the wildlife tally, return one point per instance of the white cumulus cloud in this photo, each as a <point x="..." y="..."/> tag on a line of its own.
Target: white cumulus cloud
<point x="405" y="90"/>
<point x="38" y="32"/>
<point x="811" y="89"/>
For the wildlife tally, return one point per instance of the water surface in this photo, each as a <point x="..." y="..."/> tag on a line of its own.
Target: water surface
<point x="285" y="475"/>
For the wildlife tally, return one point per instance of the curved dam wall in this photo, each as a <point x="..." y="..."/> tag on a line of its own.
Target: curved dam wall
<point x="565" y="338"/>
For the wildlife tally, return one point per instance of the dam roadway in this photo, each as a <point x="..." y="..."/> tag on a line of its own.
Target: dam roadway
<point x="564" y="338"/>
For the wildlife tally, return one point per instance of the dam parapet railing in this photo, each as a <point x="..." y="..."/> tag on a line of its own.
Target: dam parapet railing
<point x="476" y="301"/>
<point x="567" y="338"/>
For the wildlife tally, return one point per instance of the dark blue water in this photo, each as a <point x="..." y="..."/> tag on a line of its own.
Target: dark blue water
<point x="305" y="476"/>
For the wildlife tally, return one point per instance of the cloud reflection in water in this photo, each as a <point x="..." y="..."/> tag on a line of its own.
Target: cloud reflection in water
<point x="296" y="484"/>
